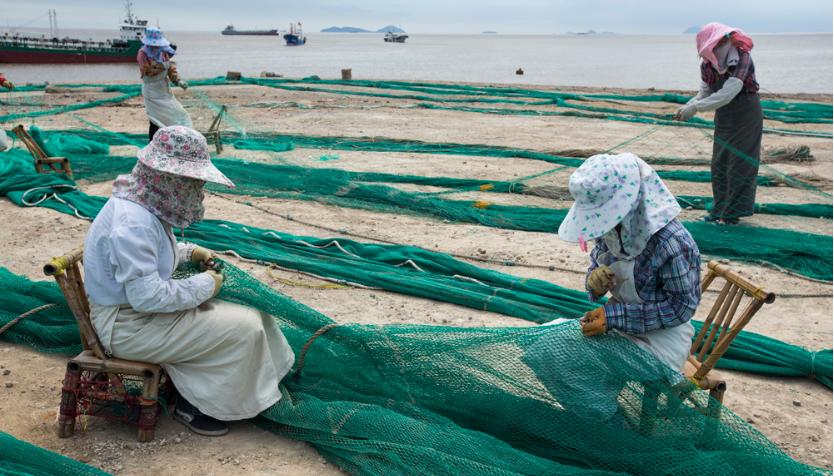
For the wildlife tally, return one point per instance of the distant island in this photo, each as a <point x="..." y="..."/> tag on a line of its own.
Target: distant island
<point x="592" y="32"/>
<point x="391" y="28"/>
<point x="344" y="29"/>
<point x="350" y="29"/>
<point x="490" y="33"/>
<point x="692" y="30"/>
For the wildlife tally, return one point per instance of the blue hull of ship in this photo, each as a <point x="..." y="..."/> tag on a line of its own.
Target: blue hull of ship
<point x="294" y="40"/>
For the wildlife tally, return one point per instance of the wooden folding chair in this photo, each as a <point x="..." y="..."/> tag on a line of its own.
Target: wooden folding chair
<point x="53" y="164"/>
<point x="96" y="383"/>
<point x="213" y="132"/>
<point x="716" y="335"/>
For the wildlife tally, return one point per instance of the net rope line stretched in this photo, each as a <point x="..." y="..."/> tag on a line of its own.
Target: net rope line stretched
<point x="605" y="113"/>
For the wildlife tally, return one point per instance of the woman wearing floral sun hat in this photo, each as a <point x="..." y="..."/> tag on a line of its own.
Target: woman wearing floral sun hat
<point x="154" y="60"/>
<point x="729" y="87"/>
<point x="226" y="360"/>
<point x="642" y="255"/>
<point x="646" y="260"/>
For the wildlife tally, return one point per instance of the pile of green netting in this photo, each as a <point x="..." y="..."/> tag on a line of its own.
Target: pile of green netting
<point x="405" y="399"/>
<point x="18" y="458"/>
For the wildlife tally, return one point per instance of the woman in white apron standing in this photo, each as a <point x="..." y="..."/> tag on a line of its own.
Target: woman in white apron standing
<point x="225" y="359"/>
<point x="4" y="83"/>
<point x="154" y="60"/>
<point x="646" y="260"/>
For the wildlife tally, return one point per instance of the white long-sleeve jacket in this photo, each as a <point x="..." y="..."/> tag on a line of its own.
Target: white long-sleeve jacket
<point x="129" y="257"/>
<point x="707" y="100"/>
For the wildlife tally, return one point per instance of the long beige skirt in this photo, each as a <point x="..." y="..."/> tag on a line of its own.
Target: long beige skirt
<point x="226" y="359"/>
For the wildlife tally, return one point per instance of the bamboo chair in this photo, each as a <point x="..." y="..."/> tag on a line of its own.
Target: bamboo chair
<point x="94" y="384"/>
<point x="54" y="164"/>
<point x="716" y="335"/>
<point x="213" y="132"/>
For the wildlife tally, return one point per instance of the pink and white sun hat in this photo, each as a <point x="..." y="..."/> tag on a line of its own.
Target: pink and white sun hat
<point x="178" y="150"/>
<point x="710" y="35"/>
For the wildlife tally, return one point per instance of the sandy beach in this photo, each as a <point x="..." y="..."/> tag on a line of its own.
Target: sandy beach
<point x="794" y="413"/>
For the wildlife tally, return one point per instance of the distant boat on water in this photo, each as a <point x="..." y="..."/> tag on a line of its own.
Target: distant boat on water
<point x="391" y="37"/>
<point x="230" y="30"/>
<point x="295" y="37"/>
<point x="40" y="49"/>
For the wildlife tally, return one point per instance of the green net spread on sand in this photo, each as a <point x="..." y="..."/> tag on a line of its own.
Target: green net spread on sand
<point x="405" y="399"/>
<point x="18" y="458"/>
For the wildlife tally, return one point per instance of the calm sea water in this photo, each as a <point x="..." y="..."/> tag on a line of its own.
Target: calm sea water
<point x="787" y="63"/>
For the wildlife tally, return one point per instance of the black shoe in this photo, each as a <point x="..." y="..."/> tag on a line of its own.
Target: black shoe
<point x="194" y="419"/>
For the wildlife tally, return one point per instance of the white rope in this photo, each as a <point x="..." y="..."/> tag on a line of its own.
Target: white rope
<point x="467" y="278"/>
<point x="55" y="196"/>
<point x="412" y="263"/>
<point x="323" y="278"/>
<point x="332" y="243"/>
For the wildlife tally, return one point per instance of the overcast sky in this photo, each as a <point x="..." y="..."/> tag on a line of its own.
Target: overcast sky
<point x="437" y="16"/>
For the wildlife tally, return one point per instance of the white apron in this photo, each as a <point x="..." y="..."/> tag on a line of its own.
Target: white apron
<point x="568" y="378"/>
<point x="4" y="142"/>
<point x="161" y="106"/>
<point x="670" y="345"/>
<point x="226" y="359"/>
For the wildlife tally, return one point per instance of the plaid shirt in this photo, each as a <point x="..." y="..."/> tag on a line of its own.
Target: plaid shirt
<point x="667" y="275"/>
<point x="744" y="70"/>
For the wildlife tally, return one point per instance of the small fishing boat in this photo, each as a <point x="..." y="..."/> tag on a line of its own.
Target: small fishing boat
<point x="294" y="37"/>
<point x="230" y="30"/>
<point x="391" y="37"/>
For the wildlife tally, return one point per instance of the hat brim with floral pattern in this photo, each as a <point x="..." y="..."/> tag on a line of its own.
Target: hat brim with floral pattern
<point x="181" y="151"/>
<point x="605" y="189"/>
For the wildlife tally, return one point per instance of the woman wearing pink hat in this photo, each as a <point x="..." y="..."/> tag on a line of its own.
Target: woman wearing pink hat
<point x="225" y="359"/>
<point x="154" y="60"/>
<point x="729" y="87"/>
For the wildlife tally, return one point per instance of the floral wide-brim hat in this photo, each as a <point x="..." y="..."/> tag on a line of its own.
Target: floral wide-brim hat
<point x="605" y="189"/>
<point x="181" y="151"/>
<point x="153" y="37"/>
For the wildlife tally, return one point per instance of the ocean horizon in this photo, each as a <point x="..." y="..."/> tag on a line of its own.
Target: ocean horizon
<point x="785" y="62"/>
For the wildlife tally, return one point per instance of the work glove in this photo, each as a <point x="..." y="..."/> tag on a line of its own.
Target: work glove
<point x="218" y="280"/>
<point x="601" y="280"/>
<point x="203" y="255"/>
<point x="8" y="85"/>
<point x="684" y="113"/>
<point x="183" y="85"/>
<point x="594" y="322"/>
